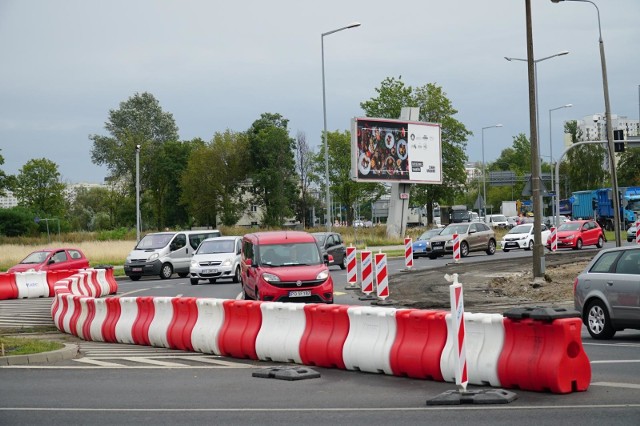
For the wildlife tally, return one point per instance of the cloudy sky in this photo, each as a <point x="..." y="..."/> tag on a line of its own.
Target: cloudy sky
<point x="218" y="65"/>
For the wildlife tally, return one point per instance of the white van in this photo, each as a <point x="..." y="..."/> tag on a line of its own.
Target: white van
<point x="497" y="221"/>
<point x="163" y="253"/>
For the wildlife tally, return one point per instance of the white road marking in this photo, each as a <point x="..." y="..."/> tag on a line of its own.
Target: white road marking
<point x="616" y="361"/>
<point x="133" y="291"/>
<point x="617" y="385"/>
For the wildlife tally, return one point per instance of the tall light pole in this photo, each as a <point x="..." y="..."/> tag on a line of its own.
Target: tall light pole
<point x="324" y="134"/>
<point x="137" y="193"/>
<point x="612" y="161"/>
<point x="484" y="175"/>
<point x="551" y="159"/>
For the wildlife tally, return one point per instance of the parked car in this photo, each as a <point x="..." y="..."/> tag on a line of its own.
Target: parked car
<point x="631" y="234"/>
<point x="550" y="221"/>
<point x="512" y="221"/>
<point x="53" y="259"/>
<point x="332" y="243"/>
<point x="522" y="237"/>
<point x="285" y="266"/>
<point x="607" y="292"/>
<point x="497" y="221"/>
<point x="576" y="234"/>
<point x="424" y="240"/>
<point x="163" y="253"/>
<point x="474" y="236"/>
<point x="216" y="258"/>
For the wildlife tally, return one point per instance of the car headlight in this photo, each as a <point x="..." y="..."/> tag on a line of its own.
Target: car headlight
<point x="128" y="260"/>
<point x="153" y="257"/>
<point x="194" y="263"/>
<point x="270" y="278"/>
<point x="571" y="237"/>
<point x="227" y="262"/>
<point x="323" y="275"/>
<point x="450" y="242"/>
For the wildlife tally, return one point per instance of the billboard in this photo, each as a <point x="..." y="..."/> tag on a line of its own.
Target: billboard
<point x="384" y="150"/>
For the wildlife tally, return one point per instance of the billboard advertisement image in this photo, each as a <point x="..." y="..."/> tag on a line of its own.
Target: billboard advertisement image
<point x="384" y="150"/>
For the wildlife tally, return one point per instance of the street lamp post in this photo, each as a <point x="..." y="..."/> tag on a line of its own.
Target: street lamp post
<point x="551" y="159"/>
<point x="484" y="175"/>
<point x="138" y="193"/>
<point x="612" y="162"/>
<point x="324" y="113"/>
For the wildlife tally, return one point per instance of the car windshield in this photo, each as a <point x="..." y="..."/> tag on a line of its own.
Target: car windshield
<point x="499" y="218"/>
<point x="294" y="254"/>
<point x="36" y="257"/>
<point x="217" y="246"/>
<point x="521" y="229"/>
<point x="429" y="234"/>
<point x="575" y="226"/>
<point x="154" y="241"/>
<point x="455" y="229"/>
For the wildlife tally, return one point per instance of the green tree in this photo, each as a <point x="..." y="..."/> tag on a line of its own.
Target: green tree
<point x="628" y="168"/>
<point x="38" y="187"/>
<point x="273" y="174"/>
<point x="17" y="221"/>
<point x="3" y="178"/>
<point x="216" y="192"/>
<point x="435" y="107"/>
<point x="140" y="120"/>
<point x="585" y="169"/>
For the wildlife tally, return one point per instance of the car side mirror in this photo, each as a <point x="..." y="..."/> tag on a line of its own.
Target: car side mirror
<point x="51" y="261"/>
<point x="248" y="262"/>
<point x="327" y="259"/>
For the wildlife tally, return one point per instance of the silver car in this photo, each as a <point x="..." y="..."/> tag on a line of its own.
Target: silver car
<point x="631" y="234"/>
<point x="474" y="236"/>
<point x="216" y="258"/>
<point x="607" y="292"/>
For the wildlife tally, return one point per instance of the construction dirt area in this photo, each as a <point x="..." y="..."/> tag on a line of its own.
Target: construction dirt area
<point x="494" y="286"/>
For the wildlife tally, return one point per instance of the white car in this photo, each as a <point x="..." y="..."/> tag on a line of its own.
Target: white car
<point x="521" y="237"/>
<point x="497" y="221"/>
<point x="216" y="258"/>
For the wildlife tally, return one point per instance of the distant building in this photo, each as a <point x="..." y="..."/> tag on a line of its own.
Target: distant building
<point x="8" y="200"/>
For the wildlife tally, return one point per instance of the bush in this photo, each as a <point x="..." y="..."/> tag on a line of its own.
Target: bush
<point x="17" y="221"/>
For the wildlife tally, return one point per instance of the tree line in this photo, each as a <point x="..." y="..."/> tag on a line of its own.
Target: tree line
<point x="188" y="183"/>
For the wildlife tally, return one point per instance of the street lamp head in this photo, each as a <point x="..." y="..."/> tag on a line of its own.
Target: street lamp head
<point x="568" y="105"/>
<point x="564" y="52"/>
<point x="508" y="58"/>
<point x="498" y="125"/>
<point x="354" y="24"/>
<point x="556" y="1"/>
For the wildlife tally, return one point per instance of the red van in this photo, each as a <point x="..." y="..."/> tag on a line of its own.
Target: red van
<point x="285" y="266"/>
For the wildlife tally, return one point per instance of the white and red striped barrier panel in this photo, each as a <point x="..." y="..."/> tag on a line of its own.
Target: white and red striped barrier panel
<point x="30" y="284"/>
<point x="367" y="271"/>
<point x="382" y="276"/>
<point x="352" y="266"/>
<point x="554" y="238"/>
<point x="637" y="233"/>
<point x="526" y="353"/>
<point x="408" y="253"/>
<point x="456" y="247"/>
<point x="458" y="331"/>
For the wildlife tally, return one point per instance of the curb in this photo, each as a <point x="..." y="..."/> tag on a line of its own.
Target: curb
<point x="69" y="351"/>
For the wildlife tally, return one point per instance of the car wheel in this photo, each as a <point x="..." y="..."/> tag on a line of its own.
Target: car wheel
<point x="236" y="276"/>
<point x="343" y="264"/>
<point x="166" y="271"/>
<point x="212" y="280"/>
<point x="464" y="249"/>
<point x="433" y="256"/>
<point x="491" y="249"/>
<point x="245" y="295"/>
<point x="134" y="277"/>
<point x="598" y="321"/>
<point x="529" y="246"/>
<point x="194" y="281"/>
<point x="505" y="250"/>
<point x="600" y="242"/>
<point x="578" y="245"/>
<point x="257" y="294"/>
<point x="183" y="274"/>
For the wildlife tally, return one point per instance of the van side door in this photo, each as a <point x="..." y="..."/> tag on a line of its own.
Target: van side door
<point x="180" y="253"/>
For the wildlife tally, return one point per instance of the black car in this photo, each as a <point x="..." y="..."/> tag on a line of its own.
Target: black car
<point x="332" y="243"/>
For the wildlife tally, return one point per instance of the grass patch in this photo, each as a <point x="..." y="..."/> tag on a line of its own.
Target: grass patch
<point x="23" y="346"/>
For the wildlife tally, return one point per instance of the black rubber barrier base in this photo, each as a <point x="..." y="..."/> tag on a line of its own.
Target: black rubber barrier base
<point x="352" y="286"/>
<point x="383" y="302"/>
<point x="287" y="373"/>
<point x="483" y="396"/>
<point x="368" y="297"/>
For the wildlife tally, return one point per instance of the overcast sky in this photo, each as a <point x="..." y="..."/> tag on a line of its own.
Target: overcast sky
<point x="218" y="65"/>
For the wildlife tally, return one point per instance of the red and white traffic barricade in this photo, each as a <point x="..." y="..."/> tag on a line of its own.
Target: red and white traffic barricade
<point x="366" y="265"/>
<point x="457" y="324"/>
<point x="382" y="276"/>
<point x="408" y="253"/>
<point x="456" y="247"/>
<point x="352" y="269"/>
<point x="554" y="238"/>
<point x="637" y="233"/>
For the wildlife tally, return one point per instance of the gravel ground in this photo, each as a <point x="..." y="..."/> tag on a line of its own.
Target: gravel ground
<point x="493" y="286"/>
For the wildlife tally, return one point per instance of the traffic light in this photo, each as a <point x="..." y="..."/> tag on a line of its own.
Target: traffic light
<point x="618" y="135"/>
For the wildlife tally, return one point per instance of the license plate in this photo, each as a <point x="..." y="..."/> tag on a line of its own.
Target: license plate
<point x="300" y="293"/>
<point x="209" y="271"/>
<point x="136" y="269"/>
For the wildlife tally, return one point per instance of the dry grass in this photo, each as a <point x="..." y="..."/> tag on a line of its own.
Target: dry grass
<point x="98" y="252"/>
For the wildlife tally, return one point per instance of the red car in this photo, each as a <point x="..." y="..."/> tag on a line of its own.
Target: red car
<point x="285" y="266"/>
<point x="578" y="233"/>
<point x="55" y="259"/>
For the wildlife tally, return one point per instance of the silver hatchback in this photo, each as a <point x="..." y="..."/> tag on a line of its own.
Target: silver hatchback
<point x="607" y="292"/>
